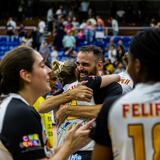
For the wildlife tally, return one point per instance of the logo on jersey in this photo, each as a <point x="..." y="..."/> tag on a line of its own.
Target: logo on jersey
<point x="31" y="140"/>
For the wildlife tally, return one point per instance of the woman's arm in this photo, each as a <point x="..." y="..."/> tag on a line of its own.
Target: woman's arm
<point x="80" y="92"/>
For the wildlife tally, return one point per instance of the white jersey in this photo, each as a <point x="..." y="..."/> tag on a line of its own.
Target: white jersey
<point x="126" y="82"/>
<point x="70" y="121"/>
<point x="135" y="128"/>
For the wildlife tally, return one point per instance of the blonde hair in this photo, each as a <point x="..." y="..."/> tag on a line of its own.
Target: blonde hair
<point x="64" y="71"/>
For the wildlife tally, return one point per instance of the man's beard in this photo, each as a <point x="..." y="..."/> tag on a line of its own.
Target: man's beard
<point x="86" y="74"/>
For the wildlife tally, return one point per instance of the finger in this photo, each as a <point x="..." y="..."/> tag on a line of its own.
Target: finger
<point x="90" y="92"/>
<point x="83" y="82"/>
<point x="75" y="127"/>
<point x="83" y="133"/>
<point x="88" y="89"/>
<point x="88" y="95"/>
<point x="88" y="125"/>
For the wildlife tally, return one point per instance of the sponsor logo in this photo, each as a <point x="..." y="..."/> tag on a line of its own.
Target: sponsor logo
<point x="31" y="140"/>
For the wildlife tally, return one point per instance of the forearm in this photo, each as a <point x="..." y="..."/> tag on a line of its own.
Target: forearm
<point x="108" y="79"/>
<point x="53" y="102"/>
<point x="84" y="111"/>
<point x="62" y="153"/>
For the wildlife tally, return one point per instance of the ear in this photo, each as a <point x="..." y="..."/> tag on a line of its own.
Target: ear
<point x="25" y="75"/>
<point x="99" y="64"/>
<point x="137" y="65"/>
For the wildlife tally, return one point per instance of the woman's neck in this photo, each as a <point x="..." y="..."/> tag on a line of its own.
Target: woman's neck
<point x="29" y="97"/>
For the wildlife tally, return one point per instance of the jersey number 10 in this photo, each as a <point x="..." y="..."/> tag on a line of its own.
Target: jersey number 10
<point x="136" y="132"/>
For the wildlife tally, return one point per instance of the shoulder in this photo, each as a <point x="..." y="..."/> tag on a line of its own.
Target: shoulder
<point x="16" y="112"/>
<point x="113" y="89"/>
<point x="93" y="82"/>
<point x="70" y="86"/>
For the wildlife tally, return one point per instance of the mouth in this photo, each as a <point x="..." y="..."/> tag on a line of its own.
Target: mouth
<point x="82" y="74"/>
<point x="48" y="80"/>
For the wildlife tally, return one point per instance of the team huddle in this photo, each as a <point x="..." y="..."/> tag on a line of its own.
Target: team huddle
<point x="113" y="116"/>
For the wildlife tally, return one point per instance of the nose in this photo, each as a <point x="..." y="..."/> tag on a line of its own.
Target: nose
<point x="48" y="69"/>
<point x="80" y="67"/>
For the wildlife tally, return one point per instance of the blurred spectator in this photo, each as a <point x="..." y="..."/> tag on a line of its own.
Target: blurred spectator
<point x="93" y="21"/>
<point x="68" y="26"/>
<point x="36" y="39"/>
<point x="120" y="52"/>
<point x="44" y="51"/>
<point x="100" y="21"/>
<point x="75" y="23"/>
<point x="119" y="68"/>
<point x="83" y="24"/>
<point x="80" y="37"/>
<point x="99" y="28"/>
<point x="61" y="11"/>
<point x="89" y="32"/>
<point x="50" y="19"/>
<point x="115" y="26"/>
<point x="54" y="54"/>
<point x="58" y="35"/>
<point x="11" y="27"/>
<point x="112" y="53"/>
<point x="83" y="9"/>
<point x="41" y="26"/>
<point x="69" y="40"/>
<point x="27" y="39"/>
<point x="21" y="31"/>
<point x="108" y="67"/>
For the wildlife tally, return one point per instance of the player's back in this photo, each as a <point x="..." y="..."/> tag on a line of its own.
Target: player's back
<point x="134" y="124"/>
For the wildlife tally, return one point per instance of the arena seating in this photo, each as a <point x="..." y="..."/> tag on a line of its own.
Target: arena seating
<point x="9" y="42"/>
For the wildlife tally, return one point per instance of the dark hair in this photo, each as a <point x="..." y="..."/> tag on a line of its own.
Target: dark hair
<point x="97" y="51"/>
<point x="10" y="66"/>
<point x="145" y="47"/>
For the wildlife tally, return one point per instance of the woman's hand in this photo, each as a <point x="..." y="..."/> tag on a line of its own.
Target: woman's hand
<point x="81" y="93"/>
<point x="78" y="136"/>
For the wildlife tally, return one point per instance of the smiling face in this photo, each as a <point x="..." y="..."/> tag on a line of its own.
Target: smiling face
<point x="40" y="78"/>
<point x="86" y="65"/>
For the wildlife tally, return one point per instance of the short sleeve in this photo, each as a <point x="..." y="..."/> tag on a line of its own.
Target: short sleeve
<point x="94" y="82"/>
<point x="22" y="132"/>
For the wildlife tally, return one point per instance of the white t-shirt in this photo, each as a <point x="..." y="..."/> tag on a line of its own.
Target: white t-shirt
<point x="134" y="124"/>
<point x="126" y="82"/>
<point x="41" y="26"/>
<point x="70" y="121"/>
<point x="115" y="26"/>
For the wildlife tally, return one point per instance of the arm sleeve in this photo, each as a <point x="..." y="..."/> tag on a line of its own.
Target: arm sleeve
<point x="94" y="82"/>
<point x="22" y="132"/>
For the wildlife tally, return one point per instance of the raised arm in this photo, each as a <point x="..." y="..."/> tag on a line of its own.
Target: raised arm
<point x="80" y="92"/>
<point x="108" y="79"/>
